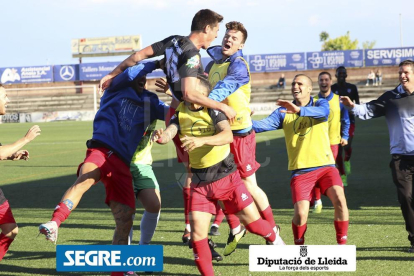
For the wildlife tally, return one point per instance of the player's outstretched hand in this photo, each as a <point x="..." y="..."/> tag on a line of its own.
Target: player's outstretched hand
<point x="105" y="83"/>
<point x="291" y="108"/>
<point x="33" y="132"/>
<point x="156" y="136"/>
<point x="345" y="100"/>
<point x="20" y="155"/>
<point x="190" y="143"/>
<point x="163" y="87"/>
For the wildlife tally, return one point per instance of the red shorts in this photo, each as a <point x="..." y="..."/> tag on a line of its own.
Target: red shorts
<point x="115" y="175"/>
<point x="6" y="215"/>
<point x="244" y="151"/>
<point x="230" y="190"/>
<point x="302" y="185"/>
<point x="351" y="130"/>
<point x="334" y="149"/>
<point x="182" y="156"/>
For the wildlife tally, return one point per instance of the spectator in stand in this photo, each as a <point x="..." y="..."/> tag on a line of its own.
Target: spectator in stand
<point x="280" y="84"/>
<point x="378" y="77"/>
<point x="371" y="78"/>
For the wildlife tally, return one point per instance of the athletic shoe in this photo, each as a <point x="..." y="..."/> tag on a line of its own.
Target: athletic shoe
<point x="214" y="231"/>
<point x="347" y="166"/>
<point x="411" y="249"/>
<point x="344" y="180"/>
<point x="317" y="208"/>
<point x="186" y="236"/>
<point x="213" y="244"/>
<point x="233" y="240"/>
<point x="50" y="230"/>
<point x="278" y="240"/>
<point x="215" y="255"/>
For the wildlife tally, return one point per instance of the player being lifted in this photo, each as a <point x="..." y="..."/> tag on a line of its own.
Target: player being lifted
<point x="183" y="64"/>
<point x="206" y="135"/>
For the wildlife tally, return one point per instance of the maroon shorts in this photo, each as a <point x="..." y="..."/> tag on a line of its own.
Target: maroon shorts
<point x="334" y="149"/>
<point x="6" y="215"/>
<point x="244" y="151"/>
<point x="351" y="130"/>
<point x="115" y="175"/>
<point x="182" y="156"/>
<point x="230" y="190"/>
<point x="302" y="185"/>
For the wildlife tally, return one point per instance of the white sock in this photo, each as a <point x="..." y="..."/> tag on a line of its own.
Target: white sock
<point x="215" y="225"/>
<point x="318" y="202"/>
<point x="188" y="227"/>
<point x="236" y="230"/>
<point x="149" y="222"/>
<point x="131" y="232"/>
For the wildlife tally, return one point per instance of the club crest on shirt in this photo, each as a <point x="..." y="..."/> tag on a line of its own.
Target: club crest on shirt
<point x="349" y="90"/>
<point x="193" y="62"/>
<point x="302" y="126"/>
<point x="202" y="128"/>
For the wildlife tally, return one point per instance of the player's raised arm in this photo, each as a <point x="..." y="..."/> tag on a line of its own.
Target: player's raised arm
<point x="290" y="108"/>
<point x="132" y="60"/>
<point x="190" y="94"/>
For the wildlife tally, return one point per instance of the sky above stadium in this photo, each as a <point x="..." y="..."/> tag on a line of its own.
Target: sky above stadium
<point x="40" y="32"/>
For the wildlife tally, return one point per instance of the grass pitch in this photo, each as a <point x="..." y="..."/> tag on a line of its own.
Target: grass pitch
<point x="36" y="186"/>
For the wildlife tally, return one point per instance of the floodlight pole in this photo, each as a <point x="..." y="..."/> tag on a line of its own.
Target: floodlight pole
<point x="401" y="36"/>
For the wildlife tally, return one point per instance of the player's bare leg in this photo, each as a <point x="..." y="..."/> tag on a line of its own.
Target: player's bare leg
<point x="89" y="175"/>
<point x="259" y="196"/>
<point x="123" y="221"/>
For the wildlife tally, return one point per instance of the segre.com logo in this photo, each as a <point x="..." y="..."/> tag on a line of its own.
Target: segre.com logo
<point x="109" y="258"/>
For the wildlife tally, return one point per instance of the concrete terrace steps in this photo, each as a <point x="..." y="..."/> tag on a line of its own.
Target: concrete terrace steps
<point x="73" y="101"/>
<point x="60" y="102"/>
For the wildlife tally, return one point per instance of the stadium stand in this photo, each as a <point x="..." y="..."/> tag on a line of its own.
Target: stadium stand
<point x="75" y="99"/>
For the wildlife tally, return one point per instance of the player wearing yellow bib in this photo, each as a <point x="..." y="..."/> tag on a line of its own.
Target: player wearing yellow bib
<point x="338" y="121"/>
<point x="230" y="76"/>
<point x="305" y="124"/>
<point x="206" y="135"/>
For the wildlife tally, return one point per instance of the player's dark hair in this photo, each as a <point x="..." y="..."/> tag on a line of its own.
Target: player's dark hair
<point x="237" y="26"/>
<point x="303" y="75"/>
<point x="1" y="85"/>
<point x="340" y="67"/>
<point x="325" y="73"/>
<point x="203" y="18"/>
<point x="408" y="62"/>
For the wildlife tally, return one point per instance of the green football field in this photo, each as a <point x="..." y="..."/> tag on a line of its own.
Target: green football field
<point x="36" y="186"/>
